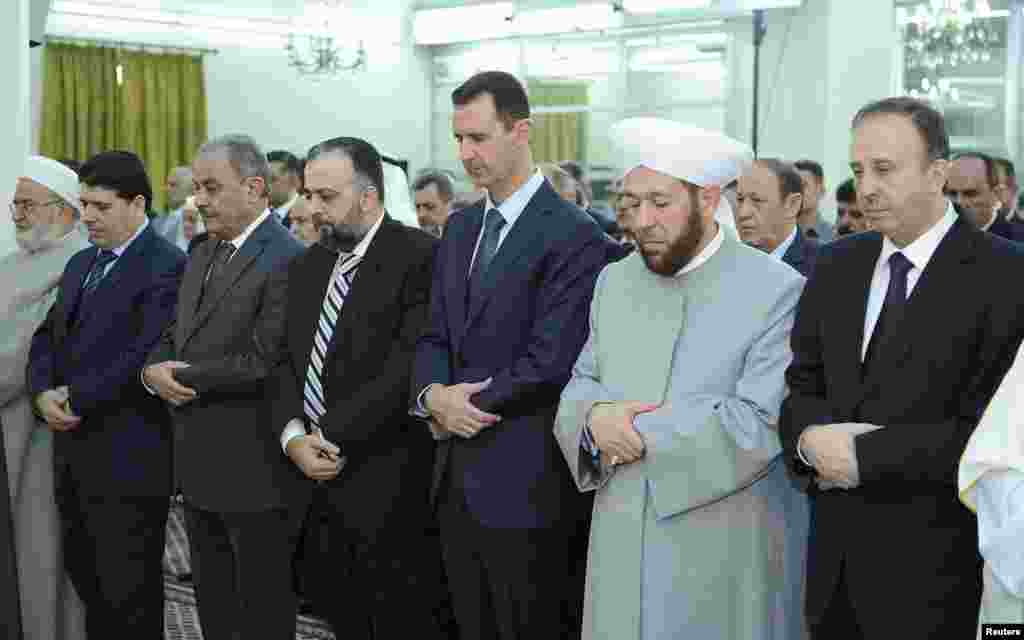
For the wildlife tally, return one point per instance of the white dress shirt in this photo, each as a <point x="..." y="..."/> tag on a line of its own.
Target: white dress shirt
<point x="919" y="252"/>
<point x="780" y="251"/>
<point x="295" y="426"/>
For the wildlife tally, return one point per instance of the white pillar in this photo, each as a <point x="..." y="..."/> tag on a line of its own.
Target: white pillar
<point x="14" y="109"/>
<point x="819" y="64"/>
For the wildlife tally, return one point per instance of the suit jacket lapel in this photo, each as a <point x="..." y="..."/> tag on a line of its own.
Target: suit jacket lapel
<point x="108" y="286"/>
<point x="794" y="255"/>
<point x="458" y="274"/>
<point x="245" y="256"/>
<point x="191" y="287"/>
<point x="930" y="295"/>
<point x="523" y="235"/>
<point x="305" y="304"/>
<point x="850" y="320"/>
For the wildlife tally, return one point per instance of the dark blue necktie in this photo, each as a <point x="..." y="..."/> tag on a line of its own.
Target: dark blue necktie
<point x="893" y="308"/>
<point x="96" y="273"/>
<point x="493" y="223"/>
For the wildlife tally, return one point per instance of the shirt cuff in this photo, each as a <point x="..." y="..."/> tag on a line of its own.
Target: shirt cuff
<point x="142" y="379"/>
<point x="293" y="429"/>
<point x="800" y="451"/>
<point x="999" y="496"/>
<point x="420" y="410"/>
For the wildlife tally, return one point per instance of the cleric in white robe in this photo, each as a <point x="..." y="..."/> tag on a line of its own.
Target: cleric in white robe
<point x="45" y="212"/>
<point x="991" y="483"/>
<point x="671" y="411"/>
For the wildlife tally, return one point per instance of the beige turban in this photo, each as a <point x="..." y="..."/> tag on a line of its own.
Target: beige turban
<point x="55" y="177"/>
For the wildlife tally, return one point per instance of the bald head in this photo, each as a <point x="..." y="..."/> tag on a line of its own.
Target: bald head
<point x="971" y="185"/>
<point x="179" y="187"/>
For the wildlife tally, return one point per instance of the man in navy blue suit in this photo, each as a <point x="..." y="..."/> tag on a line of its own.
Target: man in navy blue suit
<point x="512" y="287"/>
<point x="112" y="439"/>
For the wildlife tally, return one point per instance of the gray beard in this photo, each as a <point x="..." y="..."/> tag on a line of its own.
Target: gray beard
<point x="41" y="237"/>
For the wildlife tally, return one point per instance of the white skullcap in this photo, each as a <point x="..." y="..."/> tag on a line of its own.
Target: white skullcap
<point x="55" y="177"/>
<point x="698" y="156"/>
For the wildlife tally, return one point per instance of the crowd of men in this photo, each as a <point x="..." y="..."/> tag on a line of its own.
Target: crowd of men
<point x="715" y="416"/>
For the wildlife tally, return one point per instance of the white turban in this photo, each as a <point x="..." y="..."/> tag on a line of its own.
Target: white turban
<point x="397" y="201"/>
<point x="55" y="177"/>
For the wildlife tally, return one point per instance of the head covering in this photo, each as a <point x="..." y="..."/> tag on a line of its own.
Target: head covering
<point x="55" y="177"/>
<point x="397" y="201"/>
<point x="698" y="156"/>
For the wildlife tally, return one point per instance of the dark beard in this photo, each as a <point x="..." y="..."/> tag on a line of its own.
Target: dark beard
<point x="683" y="249"/>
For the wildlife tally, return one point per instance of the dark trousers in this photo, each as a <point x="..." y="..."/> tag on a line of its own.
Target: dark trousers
<point x="242" y="570"/>
<point x="510" y="583"/>
<point x="113" y="552"/>
<point x="382" y="584"/>
<point x="839" y="622"/>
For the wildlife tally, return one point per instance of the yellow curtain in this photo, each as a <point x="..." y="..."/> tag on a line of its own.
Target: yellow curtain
<point x="558" y="136"/>
<point x="155" y="106"/>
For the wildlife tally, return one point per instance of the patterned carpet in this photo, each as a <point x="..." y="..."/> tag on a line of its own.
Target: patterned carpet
<point x="181" y="621"/>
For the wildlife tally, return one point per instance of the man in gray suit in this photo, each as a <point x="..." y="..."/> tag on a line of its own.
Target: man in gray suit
<point x="210" y="366"/>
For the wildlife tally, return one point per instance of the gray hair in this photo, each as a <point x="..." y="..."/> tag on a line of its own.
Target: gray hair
<point x="244" y="155"/>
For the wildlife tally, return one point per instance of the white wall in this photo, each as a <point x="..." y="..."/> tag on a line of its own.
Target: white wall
<point x="254" y="91"/>
<point x="14" y="108"/>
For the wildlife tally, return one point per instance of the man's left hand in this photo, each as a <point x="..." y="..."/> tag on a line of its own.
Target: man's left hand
<point x="832" y="452"/>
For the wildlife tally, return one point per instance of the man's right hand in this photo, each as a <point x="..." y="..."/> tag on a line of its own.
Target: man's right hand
<point x="451" y="408"/>
<point x="50" y="405"/>
<point x="318" y="459"/>
<point x="611" y="425"/>
<point x="160" y="378"/>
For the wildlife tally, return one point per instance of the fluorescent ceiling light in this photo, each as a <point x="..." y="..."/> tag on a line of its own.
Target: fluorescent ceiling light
<point x="462" y="24"/>
<point x="745" y="6"/>
<point x="701" y="70"/>
<point x="580" y="17"/>
<point x="667" y="55"/>
<point x="654" y="6"/>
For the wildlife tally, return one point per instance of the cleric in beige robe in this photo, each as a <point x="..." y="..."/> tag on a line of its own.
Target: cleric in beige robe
<point x="991" y="483"/>
<point x="46" y="230"/>
<point x="671" y="411"/>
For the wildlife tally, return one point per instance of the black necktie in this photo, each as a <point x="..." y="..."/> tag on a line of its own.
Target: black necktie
<point x="891" y="316"/>
<point x="493" y="222"/>
<point x="96" y="273"/>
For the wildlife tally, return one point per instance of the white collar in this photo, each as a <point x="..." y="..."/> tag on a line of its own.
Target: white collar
<point x="515" y="204"/>
<point x="283" y="210"/>
<point x="992" y="220"/>
<point x="780" y="251"/>
<point x="364" y="244"/>
<point x="704" y="255"/>
<point x="118" y="250"/>
<point x="242" y="237"/>
<point x="920" y="251"/>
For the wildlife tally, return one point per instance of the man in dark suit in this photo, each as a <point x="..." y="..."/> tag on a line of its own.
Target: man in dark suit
<point x="887" y="384"/>
<point x="973" y="186"/>
<point x="242" y="498"/>
<point x="768" y="197"/>
<point x="508" y="316"/>
<point x="285" y="184"/>
<point x="112" y="440"/>
<point x="357" y="302"/>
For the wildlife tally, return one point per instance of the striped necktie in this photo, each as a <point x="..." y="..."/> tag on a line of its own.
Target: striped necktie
<point x="314" y="403"/>
<point x="97" y="272"/>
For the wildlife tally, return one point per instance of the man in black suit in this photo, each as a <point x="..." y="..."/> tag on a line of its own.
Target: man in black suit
<point x="112" y="440"/>
<point x="768" y="200"/>
<point x="357" y="302"/>
<point x="973" y="186"/>
<point x="285" y="184"/>
<point x="243" y="501"/>
<point x="508" y="316"/>
<point x="887" y="383"/>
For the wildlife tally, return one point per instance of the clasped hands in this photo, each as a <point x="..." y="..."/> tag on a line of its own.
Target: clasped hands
<point x="317" y="458"/>
<point x="830" y="449"/>
<point x="452" y="412"/>
<point x="160" y="378"/>
<point x="611" y="427"/>
<point x="53" y="405"/>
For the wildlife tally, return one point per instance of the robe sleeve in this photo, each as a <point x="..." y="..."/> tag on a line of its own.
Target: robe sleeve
<point x="583" y="391"/>
<point x="698" y="443"/>
<point x="14" y="345"/>
<point x="998" y="497"/>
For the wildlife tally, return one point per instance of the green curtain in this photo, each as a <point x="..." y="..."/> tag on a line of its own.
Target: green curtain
<point x="158" y="111"/>
<point x="559" y="136"/>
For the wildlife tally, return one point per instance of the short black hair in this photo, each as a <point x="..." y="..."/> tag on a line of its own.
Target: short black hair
<point x="930" y="124"/>
<point x="789" y="179"/>
<point x="440" y="179"/>
<point x="814" y="168"/>
<point x="510" y="99"/>
<point x="119" y="171"/>
<point x="847" y="192"/>
<point x="291" y="163"/>
<point x="366" y="161"/>
<point x="990" y="165"/>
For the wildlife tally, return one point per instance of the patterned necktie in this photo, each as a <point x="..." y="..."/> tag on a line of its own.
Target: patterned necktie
<point x="97" y="272"/>
<point x="493" y="223"/>
<point x="895" y="303"/>
<point x="220" y="260"/>
<point x="314" y="403"/>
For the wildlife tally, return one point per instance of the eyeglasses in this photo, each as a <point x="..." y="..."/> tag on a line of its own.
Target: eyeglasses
<point x="26" y="207"/>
